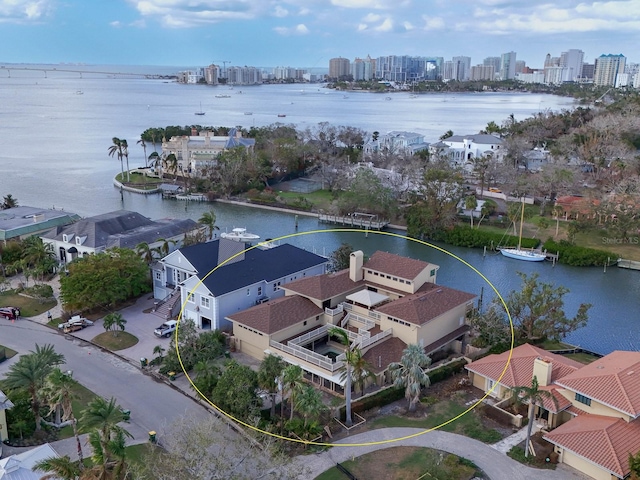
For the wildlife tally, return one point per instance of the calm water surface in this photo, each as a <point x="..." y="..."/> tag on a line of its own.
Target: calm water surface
<point x="56" y="131"/>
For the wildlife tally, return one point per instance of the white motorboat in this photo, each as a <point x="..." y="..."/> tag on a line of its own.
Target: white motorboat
<point x="520" y="254"/>
<point x="240" y="235"/>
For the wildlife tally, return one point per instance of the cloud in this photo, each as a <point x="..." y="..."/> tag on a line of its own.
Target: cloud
<point x="372" y="17"/>
<point x="377" y="4"/>
<point x="280" y="12"/>
<point x="24" y="11"/>
<point x="433" y="23"/>
<point x="300" y="29"/>
<point x="116" y="24"/>
<point x="186" y="13"/>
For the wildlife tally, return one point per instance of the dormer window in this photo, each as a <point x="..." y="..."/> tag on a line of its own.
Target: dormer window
<point x="80" y="240"/>
<point x="67" y="237"/>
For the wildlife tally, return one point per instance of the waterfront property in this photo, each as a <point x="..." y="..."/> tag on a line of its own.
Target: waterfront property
<point x="462" y="149"/>
<point x="396" y="143"/>
<point x="122" y="228"/>
<point x="384" y="305"/>
<point x="18" y="223"/>
<point x="199" y="151"/>
<point x="212" y="280"/>
<point x="594" y="423"/>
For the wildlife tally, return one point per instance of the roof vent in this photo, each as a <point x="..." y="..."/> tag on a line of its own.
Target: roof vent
<point x="631" y="372"/>
<point x="599" y="367"/>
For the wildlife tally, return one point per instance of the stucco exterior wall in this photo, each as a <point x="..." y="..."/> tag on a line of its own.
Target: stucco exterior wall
<point x="596" y="407"/>
<point x="4" y="434"/>
<point x="251" y="342"/>
<point x="580" y="464"/>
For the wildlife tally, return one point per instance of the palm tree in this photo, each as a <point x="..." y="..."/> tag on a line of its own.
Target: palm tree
<point x="155" y="161"/>
<point x="146" y="252"/>
<point x="270" y="370"/>
<point x="165" y="246"/>
<point x="309" y="402"/>
<point x="117" y="150"/>
<point x="9" y="202"/>
<point x="30" y="372"/>
<point x="103" y="415"/>
<point x="534" y="396"/>
<point x="360" y="369"/>
<point x="144" y="148"/>
<point x="159" y="351"/>
<point x="291" y="381"/>
<point x="171" y="163"/>
<point x="470" y="203"/>
<point x="125" y="152"/>
<point x="343" y="337"/>
<point x="114" y="321"/>
<point x="488" y="207"/>
<point x="409" y="373"/>
<point x="208" y="219"/>
<point x="39" y="256"/>
<point x="60" y="388"/>
<point x="557" y="211"/>
<point x="58" y="468"/>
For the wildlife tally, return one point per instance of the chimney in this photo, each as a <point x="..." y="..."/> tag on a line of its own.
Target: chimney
<point x="355" y="266"/>
<point x="194" y="132"/>
<point x="542" y="368"/>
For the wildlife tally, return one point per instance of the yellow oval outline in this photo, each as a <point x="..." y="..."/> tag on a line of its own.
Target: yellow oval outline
<point x="381" y="442"/>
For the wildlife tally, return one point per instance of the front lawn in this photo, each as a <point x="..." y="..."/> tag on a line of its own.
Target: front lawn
<point x="112" y="342"/>
<point x="29" y="307"/>
<point x="398" y="463"/>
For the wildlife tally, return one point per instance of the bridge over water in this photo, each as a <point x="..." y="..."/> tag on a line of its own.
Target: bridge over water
<point x="54" y="70"/>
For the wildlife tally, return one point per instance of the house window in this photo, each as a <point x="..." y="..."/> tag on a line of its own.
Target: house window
<point x="275" y="287"/>
<point x="583" y="399"/>
<point x="259" y="291"/>
<point x="191" y="298"/>
<point x="433" y="272"/>
<point x="159" y="276"/>
<point x="204" y="302"/>
<point x="304" y="323"/>
<point x="248" y="292"/>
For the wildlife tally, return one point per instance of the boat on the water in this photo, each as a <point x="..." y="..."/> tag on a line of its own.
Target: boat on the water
<point x="281" y="115"/>
<point x="518" y="253"/>
<point x="240" y="235"/>
<point x="248" y="113"/>
<point x="223" y="96"/>
<point x="199" y="112"/>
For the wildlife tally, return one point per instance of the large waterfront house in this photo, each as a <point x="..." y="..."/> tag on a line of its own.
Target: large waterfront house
<point x="207" y="282"/>
<point x="122" y="228"/>
<point x="594" y="424"/>
<point x="18" y="223"/>
<point x="384" y="304"/>
<point x="196" y="152"/>
<point x="462" y="149"/>
<point x="397" y="143"/>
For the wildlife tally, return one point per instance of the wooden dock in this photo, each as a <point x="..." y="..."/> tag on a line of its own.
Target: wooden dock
<point x="357" y="220"/>
<point x="630" y="264"/>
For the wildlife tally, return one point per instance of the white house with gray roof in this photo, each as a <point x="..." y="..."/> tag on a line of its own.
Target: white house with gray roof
<point x="209" y="281"/>
<point x="462" y="149"/>
<point x="122" y="229"/>
<point x="396" y="142"/>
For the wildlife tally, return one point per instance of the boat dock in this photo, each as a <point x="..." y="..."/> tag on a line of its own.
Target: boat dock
<point x="359" y="220"/>
<point x="629" y="264"/>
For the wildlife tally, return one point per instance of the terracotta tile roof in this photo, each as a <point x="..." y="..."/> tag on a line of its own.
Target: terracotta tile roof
<point x="613" y="380"/>
<point x="519" y="372"/>
<point x="562" y="403"/>
<point x="324" y="287"/>
<point x="392" y="264"/>
<point x="275" y="315"/>
<point x="605" y="441"/>
<point x="431" y="302"/>
<point x="382" y="354"/>
<point x="575" y="411"/>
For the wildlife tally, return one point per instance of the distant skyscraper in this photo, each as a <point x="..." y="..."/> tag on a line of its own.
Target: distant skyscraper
<point x="494" y="62"/>
<point x="520" y="66"/>
<point x="462" y="68"/>
<point x="482" y="72"/>
<point x="508" y="66"/>
<point x="572" y="60"/>
<point x="339" y="67"/>
<point x="363" y="69"/>
<point x="588" y="69"/>
<point x="607" y="67"/>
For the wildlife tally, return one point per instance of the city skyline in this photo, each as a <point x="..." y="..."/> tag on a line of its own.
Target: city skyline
<point x="308" y="33"/>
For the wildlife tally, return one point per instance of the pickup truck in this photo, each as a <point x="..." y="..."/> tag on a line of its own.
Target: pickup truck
<point x="166" y="329"/>
<point x="75" y="323"/>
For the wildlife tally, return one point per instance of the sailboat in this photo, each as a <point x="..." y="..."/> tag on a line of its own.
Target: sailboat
<point x="520" y="254"/>
<point x="200" y="112"/>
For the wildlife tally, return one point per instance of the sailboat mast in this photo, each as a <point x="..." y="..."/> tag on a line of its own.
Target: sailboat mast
<point x="521" y="222"/>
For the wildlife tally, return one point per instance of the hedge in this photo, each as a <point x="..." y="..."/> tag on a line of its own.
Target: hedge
<point x="579" y="256"/>
<point x="463" y="236"/>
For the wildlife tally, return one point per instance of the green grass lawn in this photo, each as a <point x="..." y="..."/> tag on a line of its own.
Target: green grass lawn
<point x="320" y="199"/>
<point x="29" y="307"/>
<point x="400" y="463"/>
<point x="469" y="424"/>
<point x="112" y="342"/>
<point x="83" y="397"/>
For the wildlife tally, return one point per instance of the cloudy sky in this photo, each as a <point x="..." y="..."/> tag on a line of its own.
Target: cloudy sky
<point x="307" y="33"/>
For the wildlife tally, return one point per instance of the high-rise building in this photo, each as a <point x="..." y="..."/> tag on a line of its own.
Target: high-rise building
<point x="607" y="67"/>
<point x="588" y="69"/>
<point x="211" y="74"/>
<point x="572" y="60"/>
<point x="508" y="66"/>
<point x="495" y="63"/>
<point x="482" y="72"/>
<point x="462" y="68"/>
<point x="339" y="67"/>
<point x="363" y="69"/>
<point x="520" y="66"/>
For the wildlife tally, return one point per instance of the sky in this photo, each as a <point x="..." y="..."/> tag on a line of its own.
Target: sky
<point x="308" y="33"/>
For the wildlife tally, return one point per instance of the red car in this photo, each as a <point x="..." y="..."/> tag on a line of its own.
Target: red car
<point x="10" y="313"/>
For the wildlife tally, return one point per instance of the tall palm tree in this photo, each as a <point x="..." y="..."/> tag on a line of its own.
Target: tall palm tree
<point x="360" y="369"/>
<point x="144" y="148"/>
<point x="343" y="337"/>
<point x="171" y="163"/>
<point x="409" y="373"/>
<point x="208" y="219"/>
<point x="125" y="152"/>
<point x="291" y="380"/>
<point x="30" y="372"/>
<point x="470" y="203"/>
<point x="309" y="403"/>
<point x="534" y="396"/>
<point x="59" y="468"/>
<point x="39" y="256"/>
<point x="103" y="415"/>
<point x="165" y="246"/>
<point x="9" y="202"/>
<point x="146" y="252"/>
<point x="270" y="370"/>
<point x="60" y="388"/>
<point x="117" y="150"/>
<point x="155" y="161"/>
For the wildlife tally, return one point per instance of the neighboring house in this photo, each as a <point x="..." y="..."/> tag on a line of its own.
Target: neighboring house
<point x="396" y="142"/>
<point x="21" y="222"/>
<point x="196" y="152"/>
<point x="122" y="228"/>
<point x="209" y="281"/>
<point x="5" y="404"/>
<point x="20" y="466"/>
<point x="462" y="149"/>
<point x="385" y="304"/>
<point x="536" y="159"/>
<point x="596" y="421"/>
<point x="399" y="182"/>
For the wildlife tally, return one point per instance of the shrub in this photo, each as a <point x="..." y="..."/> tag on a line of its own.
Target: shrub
<point x="446" y="371"/>
<point x="576" y="256"/>
<point x="464" y="236"/>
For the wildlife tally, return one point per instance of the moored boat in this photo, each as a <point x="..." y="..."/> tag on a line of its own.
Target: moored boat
<point x="240" y="235"/>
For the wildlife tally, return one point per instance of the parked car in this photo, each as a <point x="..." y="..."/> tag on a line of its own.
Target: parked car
<point x="10" y="313"/>
<point x="74" y="323"/>
<point x="166" y="329"/>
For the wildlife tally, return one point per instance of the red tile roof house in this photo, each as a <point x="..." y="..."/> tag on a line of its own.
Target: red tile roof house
<point x="385" y="304"/>
<point x="597" y="417"/>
